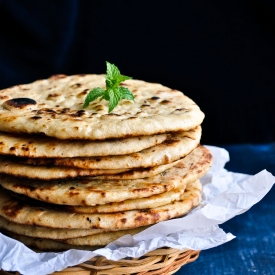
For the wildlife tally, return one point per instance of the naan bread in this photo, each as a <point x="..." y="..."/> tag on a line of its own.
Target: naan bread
<point x="54" y="108"/>
<point x="132" y="204"/>
<point x="139" y="173"/>
<point x="192" y="191"/>
<point x="102" y="238"/>
<point x="155" y="157"/>
<point x="36" y="146"/>
<point x="91" y="192"/>
<point x="175" y="147"/>
<point x="194" y="165"/>
<point x="46" y="244"/>
<point x="142" y="203"/>
<point x="59" y="233"/>
<point x="23" y="213"/>
<point x="45" y="232"/>
<point x="97" y="191"/>
<point x="10" y="167"/>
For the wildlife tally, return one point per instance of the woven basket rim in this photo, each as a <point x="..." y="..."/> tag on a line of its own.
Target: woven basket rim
<point x="161" y="261"/>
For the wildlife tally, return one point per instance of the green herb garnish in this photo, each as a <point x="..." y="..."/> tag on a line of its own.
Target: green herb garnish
<point x="113" y="93"/>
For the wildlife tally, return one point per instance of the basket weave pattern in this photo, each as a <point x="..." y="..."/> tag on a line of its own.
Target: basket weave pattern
<point x="163" y="261"/>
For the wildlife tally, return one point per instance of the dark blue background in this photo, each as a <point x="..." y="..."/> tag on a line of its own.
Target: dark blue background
<point x="219" y="53"/>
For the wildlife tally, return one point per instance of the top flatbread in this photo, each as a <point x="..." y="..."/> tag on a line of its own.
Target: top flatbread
<point x="55" y="109"/>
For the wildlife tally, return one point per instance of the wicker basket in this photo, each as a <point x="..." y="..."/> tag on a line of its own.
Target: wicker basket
<point x="163" y="261"/>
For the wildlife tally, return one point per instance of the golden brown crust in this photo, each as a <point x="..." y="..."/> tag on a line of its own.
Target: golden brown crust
<point x="35" y="146"/>
<point x="176" y="146"/>
<point x="58" y="110"/>
<point x="10" y="167"/>
<point x="23" y="213"/>
<point x="99" y="191"/>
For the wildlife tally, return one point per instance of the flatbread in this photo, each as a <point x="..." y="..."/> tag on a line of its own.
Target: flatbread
<point x="36" y="146"/>
<point x="87" y="192"/>
<point x="102" y="238"/>
<point x="142" y="203"/>
<point x="99" y="239"/>
<point x="192" y="191"/>
<point x="139" y="173"/>
<point x="54" y="107"/>
<point x="45" y="232"/>
<point x="56" y="233"/>
<point x="175" y="147"/>
<point x="20" y="212"/>
<point x="132" y="204"/>
<point x="10" y="167"/>
<point x="46" y="244"/>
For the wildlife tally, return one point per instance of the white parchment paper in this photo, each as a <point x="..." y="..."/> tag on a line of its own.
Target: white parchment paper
<point x="225" y="195"/>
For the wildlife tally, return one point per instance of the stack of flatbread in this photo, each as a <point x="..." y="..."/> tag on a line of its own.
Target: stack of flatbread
<point x="81" y="178"/>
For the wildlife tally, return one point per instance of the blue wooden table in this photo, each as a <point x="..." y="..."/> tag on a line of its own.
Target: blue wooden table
<point x="253" y="249"/>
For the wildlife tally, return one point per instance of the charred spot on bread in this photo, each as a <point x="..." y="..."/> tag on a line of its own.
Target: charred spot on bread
<point x="19" y="103"/>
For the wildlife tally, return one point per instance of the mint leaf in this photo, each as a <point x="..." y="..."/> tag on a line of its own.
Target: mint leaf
<point x="93" y="95"/>
<point x="112" y="71"/>
<point x="126" y="94"/>
<point x="115" y="97"/>
<point x="106" y="95"/>
<point x="113" y="93"/>
<point x="113" y="76"/>
<point x="123" y="78"/>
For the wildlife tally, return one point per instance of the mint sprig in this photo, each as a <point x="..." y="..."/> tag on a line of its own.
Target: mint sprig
<point x="113" y="93"/>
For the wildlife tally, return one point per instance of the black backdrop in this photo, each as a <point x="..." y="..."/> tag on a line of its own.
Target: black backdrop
<point x="219" y="53"/>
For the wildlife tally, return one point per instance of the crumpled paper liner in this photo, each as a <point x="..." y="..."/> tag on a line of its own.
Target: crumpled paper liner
<point x="225" y="195"/>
